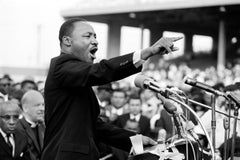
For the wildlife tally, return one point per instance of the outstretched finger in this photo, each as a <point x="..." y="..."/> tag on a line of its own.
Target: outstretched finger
<point x="168" y="50"/>
<point x="175" y="49"/>
<point x="174" y="39"/>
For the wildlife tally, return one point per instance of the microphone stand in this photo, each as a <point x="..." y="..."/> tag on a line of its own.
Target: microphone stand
<point x="213" y="124"/>
<point x="226" y="128"/>
<point x="208" y="107"/>
<point x="199" y="120"/>
<point x="234" y="131"/>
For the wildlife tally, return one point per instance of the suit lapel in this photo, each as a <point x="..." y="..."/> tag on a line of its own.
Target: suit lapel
<point x="18" y="144"/>
<point x="4" y="144"/>
<point x="140" y="122"/>
<point x="30" y="133"/>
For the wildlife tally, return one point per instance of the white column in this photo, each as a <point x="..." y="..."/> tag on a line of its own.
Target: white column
<point x="221" y="46"/>
<point x="142" y="35"/>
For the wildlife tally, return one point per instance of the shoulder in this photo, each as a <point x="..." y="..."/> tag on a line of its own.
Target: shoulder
<point x="22" y="124"/>
<point x="63" y="57"/>
<point x="20" y="135"/>
<point x="124" y="116"/>
<point x="145" y="118"/>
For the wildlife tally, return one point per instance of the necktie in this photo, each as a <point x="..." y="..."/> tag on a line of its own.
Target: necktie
<point x="8" y="142"/>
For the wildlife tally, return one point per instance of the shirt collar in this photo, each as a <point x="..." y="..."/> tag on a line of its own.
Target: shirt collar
<point x="32" y="124"/>
<point x="117" y="111"/>
<point x="4" y="134"/>
<point x="136" y="117"/>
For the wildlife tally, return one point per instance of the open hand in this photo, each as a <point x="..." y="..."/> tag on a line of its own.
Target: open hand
<point x="148" y="141"/>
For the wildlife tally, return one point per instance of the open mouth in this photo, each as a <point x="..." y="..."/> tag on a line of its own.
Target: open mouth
<point x="92" y="53"/>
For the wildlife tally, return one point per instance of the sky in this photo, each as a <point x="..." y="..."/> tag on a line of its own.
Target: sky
<point x="29" y="32"/>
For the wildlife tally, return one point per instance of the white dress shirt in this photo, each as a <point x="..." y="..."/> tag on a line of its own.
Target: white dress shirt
<point x="136" y="117"/>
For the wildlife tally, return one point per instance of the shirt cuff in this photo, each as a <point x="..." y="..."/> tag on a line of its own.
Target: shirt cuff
<point x="137" y="61"/>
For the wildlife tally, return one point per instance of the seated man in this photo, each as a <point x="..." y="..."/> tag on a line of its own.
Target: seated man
<point x="13" y="143"/>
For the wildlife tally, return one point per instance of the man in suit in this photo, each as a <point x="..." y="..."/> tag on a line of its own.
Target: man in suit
<point x="133" y="121"/>
<point x="118" y="105"/>
<point x="13" y="143"/>
<point x="32" y="121"/>
<point x="71" y="111"/>
<point x="134" y="115"/>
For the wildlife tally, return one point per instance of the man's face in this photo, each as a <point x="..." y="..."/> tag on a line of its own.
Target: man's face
<point x="5" y="84"/>
<point x="83" y="42"/>
<point x="118" y="99"/>
<point x="35" y="108"/>
<point x="28" y="86"/>
<point x="135" y="106"/>
<point x="9" y="118"/>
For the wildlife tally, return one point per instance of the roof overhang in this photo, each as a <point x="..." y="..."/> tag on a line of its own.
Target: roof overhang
<point x="90" y="7"/>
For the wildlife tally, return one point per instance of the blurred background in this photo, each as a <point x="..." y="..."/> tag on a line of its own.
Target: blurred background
<point x="211" y="31"/>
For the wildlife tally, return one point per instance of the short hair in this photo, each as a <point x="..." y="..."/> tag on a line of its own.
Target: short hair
<point x="67" y="27"/>
<point x="29" y="95"/>
<point x="24" y="82"/>
<point x="134" y="96"/>
<point x="120" y="90"/>
<point x="7" y="104"/>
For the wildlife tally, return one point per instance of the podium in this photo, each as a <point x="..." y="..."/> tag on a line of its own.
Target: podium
<point x="190" y="152"/>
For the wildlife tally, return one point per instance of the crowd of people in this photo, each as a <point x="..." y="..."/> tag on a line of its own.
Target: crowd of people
<point x="84" y="112"/>
<point x="125" y="106"/>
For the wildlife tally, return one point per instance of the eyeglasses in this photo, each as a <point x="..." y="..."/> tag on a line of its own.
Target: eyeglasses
<point x="9" y="117"/>
<point x="5" y="84"/>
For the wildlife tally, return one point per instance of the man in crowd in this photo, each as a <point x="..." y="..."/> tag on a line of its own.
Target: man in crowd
<point x="27" y="85"/>
<point x="133" y="121"/>
<point x="134" y="115"/>
<point x="71" y="114"/>
<point x="13" y="143"/>
<point x="32" y="121"/>
<point x="5" y="84"/>
<point x="118" y="105"/>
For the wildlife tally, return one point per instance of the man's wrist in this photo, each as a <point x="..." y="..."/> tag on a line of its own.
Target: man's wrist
<point x="146" y="53"/>
<point x="137" y="58"/>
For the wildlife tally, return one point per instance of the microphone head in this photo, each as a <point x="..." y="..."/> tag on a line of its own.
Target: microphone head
<point x="189" y="80"/>
<point x="169" y="107"/>
<point x="140" y="80"/>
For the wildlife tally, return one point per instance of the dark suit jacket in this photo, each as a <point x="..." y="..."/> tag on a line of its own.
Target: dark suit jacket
<point x="21" y="148"/>
<point x="165" y="122"/>
<point x="144" y="123"/>
<point x="71" y="107"/>
<point x="35" y="143"/>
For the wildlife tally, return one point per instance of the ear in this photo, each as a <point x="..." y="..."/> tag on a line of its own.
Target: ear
<point x="66" y="40"/>
<point x="25" y="107"/>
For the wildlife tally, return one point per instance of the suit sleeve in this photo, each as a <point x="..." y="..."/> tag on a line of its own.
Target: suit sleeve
<point x="114" y="136"/>
<point x="70" y="71"/>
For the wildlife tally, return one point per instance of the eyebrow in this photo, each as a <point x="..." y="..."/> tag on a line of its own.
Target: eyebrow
<point x="91" y="33"/>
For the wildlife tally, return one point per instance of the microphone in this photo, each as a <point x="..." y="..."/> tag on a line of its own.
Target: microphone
<point x="172" y="109"/>
<point x="233" y="98"/>
<point x="206" y="87"/>
<point x="189" y="127"/>
<point x="144" y="82"/>
<point x="169" y="106"/>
